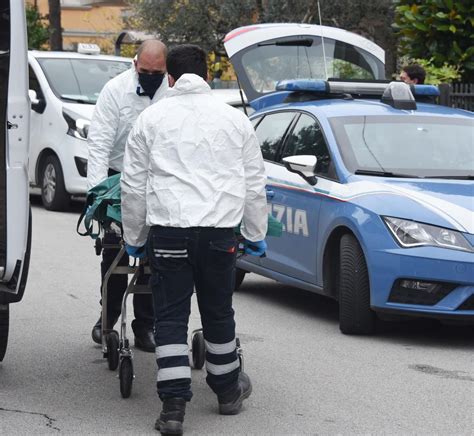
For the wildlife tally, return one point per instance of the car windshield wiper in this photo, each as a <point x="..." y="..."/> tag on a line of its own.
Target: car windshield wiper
<point x="384" y="174"/>
<point x="77" y="100"/>
<point x="467" y="177"/>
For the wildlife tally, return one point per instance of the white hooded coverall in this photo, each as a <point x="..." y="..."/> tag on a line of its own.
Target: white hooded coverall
<point x="193" y="161"/>
<point x="115" y="113"/>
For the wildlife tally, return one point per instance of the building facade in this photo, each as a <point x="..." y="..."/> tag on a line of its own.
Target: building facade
<point x="89" y="21"/>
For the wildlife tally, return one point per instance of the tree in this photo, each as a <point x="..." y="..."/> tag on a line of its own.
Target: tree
<point x="37" y="31"/>
<point x="206" y="22"/>
<point x="439" y="30"/>
<point x="55" y="31"/>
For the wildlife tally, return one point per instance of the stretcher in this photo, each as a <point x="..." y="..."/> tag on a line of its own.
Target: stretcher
<point x="116" y="345"/>
<point x="103" y="208"/>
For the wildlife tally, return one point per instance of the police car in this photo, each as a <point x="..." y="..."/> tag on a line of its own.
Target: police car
<point x="63" y="89"/>
<point x="374" y="189"/>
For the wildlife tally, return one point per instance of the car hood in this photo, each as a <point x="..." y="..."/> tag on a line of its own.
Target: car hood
<point x="447" y="203"/>
<point x="83" y="110"/>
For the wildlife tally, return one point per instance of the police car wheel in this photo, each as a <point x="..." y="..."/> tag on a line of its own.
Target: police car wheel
<point x="53" y="191"/>
<point x="239" y="278"/>
<point x="4" y="327"/>
<point x="355" y="314"/>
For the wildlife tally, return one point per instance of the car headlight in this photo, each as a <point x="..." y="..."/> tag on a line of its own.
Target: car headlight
<point x="414" y="234"/>
<point x="77" y="127"/>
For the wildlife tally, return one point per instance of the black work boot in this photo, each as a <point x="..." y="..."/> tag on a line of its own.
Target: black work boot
<point x="230" y="403"/>
<point x="144" y="338"/>
<point x="171" y="417"/>
<point x="97" y="329"/>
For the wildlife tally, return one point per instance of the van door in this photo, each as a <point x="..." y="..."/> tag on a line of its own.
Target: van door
<point x="4" y="68"/>
<point x="15" y="217"/>
<point x="14" y="148"/>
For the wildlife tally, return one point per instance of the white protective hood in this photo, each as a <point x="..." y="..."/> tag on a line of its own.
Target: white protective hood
<point x="116" y="110"/>
<point x="193" y="161"/>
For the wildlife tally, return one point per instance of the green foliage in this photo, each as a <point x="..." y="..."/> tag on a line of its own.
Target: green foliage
<point x="437" y="75"/>
<point x="38" y="33"/>
<point x="206" y="22"/>
<point x="438" y="30"/>
<point x="203" y="22"/>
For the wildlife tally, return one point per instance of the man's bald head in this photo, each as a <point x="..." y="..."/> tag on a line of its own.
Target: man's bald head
<point x="151" y="57"/>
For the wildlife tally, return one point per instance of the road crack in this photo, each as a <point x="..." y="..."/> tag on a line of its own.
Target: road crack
<point x="443" y="373"/>
<point x="50" y="421"/>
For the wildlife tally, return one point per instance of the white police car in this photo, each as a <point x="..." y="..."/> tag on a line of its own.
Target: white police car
<point x="375" y="191"/>
<point x="64" y="87"/>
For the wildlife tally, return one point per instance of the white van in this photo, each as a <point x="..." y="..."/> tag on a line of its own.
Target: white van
<point x="15" y="216"/>
<point x="64" y="87"/>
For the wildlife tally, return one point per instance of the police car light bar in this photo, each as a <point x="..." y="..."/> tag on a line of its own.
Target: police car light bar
<point x="352" y="87"/>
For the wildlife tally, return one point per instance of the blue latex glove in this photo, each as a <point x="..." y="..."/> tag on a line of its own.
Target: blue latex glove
<point x="256" y="248"/>
<point x="138" y="252"/>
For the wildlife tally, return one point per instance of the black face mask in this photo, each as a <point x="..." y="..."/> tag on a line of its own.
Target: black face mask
<point x="150" y="82"/>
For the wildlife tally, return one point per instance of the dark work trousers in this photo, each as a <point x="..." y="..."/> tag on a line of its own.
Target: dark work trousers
<point x="117" y="285"/>
<point x="181" y="258"/>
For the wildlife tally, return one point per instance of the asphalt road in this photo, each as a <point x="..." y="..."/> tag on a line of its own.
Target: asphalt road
<point x="412" y="378"/>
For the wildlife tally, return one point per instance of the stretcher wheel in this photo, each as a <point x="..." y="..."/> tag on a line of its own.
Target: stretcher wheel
<point x="98" y="246"/>
<point x="240" y="354"/>
<point x="112" y="341"/>
<point x="239" y="278"/>
<point x="198" y="350"/>
<point x="126" y="376"/>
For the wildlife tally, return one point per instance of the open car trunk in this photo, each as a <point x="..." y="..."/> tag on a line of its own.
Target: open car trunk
<point x="262" y="55"/>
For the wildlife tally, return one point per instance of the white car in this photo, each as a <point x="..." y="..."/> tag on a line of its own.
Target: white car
<point x="233" y="97"/>
<point x="64" y="87"/>
<point x="15" y="217"/>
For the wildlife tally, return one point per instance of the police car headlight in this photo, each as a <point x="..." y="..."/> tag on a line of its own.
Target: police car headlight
<point x="414" y="234"/>
<point x="77" y="127"/>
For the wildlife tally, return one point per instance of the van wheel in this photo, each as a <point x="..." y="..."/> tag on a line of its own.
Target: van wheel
<point x="53" y="191"/>
<point x="4" y="326"/>
<point x="355" y="314"/>
<point x="239" y="278"/>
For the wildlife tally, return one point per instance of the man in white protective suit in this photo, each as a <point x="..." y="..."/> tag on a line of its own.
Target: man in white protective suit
<point x="193" y="170"/>
<point x="121" y="101"/>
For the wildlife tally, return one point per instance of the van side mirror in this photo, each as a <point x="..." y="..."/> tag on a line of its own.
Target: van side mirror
<point x="303" y="165"/>
<point x="36" y="104"/>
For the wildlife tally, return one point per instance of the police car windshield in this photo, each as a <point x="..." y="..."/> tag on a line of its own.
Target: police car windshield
<point x="272" y="61"/>
<point x="421" y="146"/>
<point x="80" y="80"/>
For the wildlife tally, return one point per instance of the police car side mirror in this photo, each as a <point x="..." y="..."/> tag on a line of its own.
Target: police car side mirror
<point x="303" y="165"/>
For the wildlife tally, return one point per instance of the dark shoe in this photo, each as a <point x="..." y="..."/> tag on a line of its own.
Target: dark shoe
<point x="171" y="417"/>
<point x="145" y="340"/>
<point x="97" y="330"/>
<point x="230" y="403"/>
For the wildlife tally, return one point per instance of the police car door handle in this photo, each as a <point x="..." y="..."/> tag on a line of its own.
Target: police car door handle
<point x="270" y="193"/>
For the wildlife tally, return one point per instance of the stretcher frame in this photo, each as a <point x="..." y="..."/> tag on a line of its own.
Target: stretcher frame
<point x="116" y="346"/>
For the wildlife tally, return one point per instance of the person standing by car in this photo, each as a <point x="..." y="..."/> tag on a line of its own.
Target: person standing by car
<point x="413" y="74"/>
<point x="121" y="101"/>
<point x="193" y="170"/>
